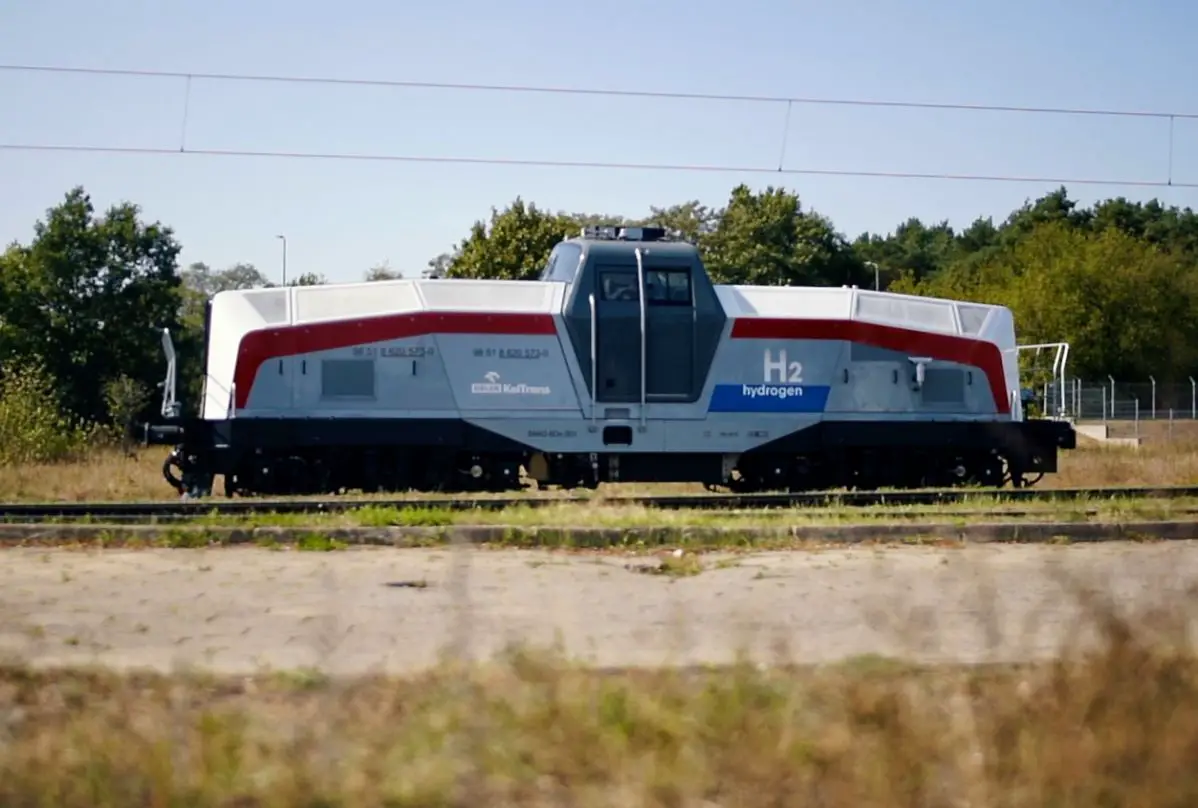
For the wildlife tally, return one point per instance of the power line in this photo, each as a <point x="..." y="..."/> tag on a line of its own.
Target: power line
<point x="588" y="164"/>
<point x="659" y="94"/>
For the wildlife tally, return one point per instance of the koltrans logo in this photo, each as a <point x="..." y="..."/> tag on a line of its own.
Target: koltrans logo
<point x="782" y="391"/>
<point x="493" y="386"/>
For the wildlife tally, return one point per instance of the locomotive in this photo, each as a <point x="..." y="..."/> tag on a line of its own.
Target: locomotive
<point x="623" y="362"/>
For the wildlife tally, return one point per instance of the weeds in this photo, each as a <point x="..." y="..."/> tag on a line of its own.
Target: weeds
<point x="318" y="543"/>
<point x="1112" y="724"/>
<point x="1169" y="456"/>
<point x="33" y="427"/>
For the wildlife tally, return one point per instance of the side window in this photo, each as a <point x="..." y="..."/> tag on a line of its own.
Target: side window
<point x="563" y="263"/>
<point x="668" y="287"/>
<point x="618" y="285"/>
<point x="347" y="378"/>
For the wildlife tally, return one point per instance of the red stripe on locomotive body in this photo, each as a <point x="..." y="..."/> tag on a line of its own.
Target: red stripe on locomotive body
<point x="258" y="347"/>
<point x="945" y="347"/>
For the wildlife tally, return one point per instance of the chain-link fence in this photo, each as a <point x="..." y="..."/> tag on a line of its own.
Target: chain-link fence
<point x="1113" y="400"/>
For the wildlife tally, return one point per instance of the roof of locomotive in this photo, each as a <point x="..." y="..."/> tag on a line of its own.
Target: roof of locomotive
<point x="618" y="247"/>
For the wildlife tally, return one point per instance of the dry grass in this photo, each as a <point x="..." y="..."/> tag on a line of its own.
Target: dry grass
<point x="1115" y="724"/>
<point x="598" y="514"/>
<point x="1169" y="456"/>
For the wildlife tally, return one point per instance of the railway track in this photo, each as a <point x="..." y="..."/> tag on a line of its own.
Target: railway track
<point x="175" y="510"/>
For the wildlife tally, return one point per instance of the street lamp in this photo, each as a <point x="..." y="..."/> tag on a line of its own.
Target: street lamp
<point x="284" y="240"/>
<point x="877" y="285"/>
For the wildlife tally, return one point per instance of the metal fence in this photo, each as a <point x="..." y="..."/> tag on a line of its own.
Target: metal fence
<point x="1113" y="400"/>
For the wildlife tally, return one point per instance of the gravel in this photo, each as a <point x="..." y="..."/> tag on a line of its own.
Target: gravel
<point x="239" y="610"/>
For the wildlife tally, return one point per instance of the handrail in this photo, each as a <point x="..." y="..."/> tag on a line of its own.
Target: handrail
<point x="594" y="360"/>
<point x="640" y="296"/>
<point x="1059" y="362"/>
<point x="170" y="402"/>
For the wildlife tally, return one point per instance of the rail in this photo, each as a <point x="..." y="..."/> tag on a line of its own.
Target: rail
<point x="175" y="509"/>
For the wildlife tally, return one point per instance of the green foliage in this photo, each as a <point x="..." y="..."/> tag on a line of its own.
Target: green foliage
<point x="761" y="238"/>
<point x="1125" y="306"/>
<point x="308" y="279"/>
<point x="382" y="272"/>
<point x="1118" y="280"/>
<point x="33" y="426"/>
<point x="126" y="398"/>
<point x="514" y="244"/>
<point x="83" y="303"/>
<point x="86" y="297"/>
<point x="767" y="239"/>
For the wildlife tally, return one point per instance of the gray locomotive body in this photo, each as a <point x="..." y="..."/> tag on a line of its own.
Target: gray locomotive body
<point x="624" y="362"/>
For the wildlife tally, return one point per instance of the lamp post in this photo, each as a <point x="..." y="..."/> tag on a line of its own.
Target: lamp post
<point x="877" y="285"/>
<point x="284" y="240"/>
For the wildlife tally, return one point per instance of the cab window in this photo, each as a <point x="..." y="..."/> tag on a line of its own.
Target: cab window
<point x="563" y="263"/>
<point x="668" y="287"/>
<point x="618" y="286"/>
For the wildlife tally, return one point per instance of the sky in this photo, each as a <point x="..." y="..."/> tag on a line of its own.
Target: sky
<point x="342" y="217"/>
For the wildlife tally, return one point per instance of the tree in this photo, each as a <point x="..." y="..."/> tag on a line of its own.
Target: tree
<point x="87" y="297"/>
<point x="913" y="250"/>
<point x="515" y="244"/>
<point x="766" y="238"/>
<point x="200" y="283"/>
<point x="1053" y="207"/>
<point x="438" y="267"/>
<point x="308" y="279"/>
<point x="1125" y="306"/>
<point x="382" y="272"/>
<point x="201" y="279"/>
<point x="690" y="221"/>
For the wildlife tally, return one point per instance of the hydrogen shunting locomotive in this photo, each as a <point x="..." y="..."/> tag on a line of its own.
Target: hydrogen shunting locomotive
<point x="622" y="363"/>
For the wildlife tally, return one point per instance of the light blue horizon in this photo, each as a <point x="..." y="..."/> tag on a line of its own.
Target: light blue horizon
<point x="342" y="217"/>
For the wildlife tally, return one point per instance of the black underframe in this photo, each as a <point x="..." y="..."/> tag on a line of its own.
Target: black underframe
<point x="452" y="454"/>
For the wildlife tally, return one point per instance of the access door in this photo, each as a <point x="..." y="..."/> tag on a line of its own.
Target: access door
<point x="645" y="333"/>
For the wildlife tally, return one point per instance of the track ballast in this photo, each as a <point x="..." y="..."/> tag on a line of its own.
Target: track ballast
<point x="176" y="509"/>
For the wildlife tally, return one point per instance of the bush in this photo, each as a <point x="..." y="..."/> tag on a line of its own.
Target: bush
<point x="33" y="425"/>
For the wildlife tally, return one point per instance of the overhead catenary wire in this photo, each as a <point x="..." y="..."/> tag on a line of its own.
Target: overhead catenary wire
<point x="596" y="91"/>
<point x="777" y="169"/>
<point x="592" y="164"/>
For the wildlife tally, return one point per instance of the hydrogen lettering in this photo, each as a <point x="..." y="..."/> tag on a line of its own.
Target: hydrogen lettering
<point x="787" y="372"/>
<point x="779" y="391"/>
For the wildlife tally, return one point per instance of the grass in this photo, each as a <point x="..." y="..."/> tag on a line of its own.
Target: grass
<point x="597" y="514"/>
<point x="597" y="526"/>
<point x="1166" y="458"/>
<point x="1113" y="723"/>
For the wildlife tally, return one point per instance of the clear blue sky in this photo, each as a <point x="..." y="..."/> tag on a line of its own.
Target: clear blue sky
<point x="343" y="217"/>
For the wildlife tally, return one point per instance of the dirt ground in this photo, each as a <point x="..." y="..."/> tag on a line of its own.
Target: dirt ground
<point x="366" y="610"/>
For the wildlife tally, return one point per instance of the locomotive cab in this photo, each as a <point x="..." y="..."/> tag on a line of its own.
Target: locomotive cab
<point x="636" y="348"/>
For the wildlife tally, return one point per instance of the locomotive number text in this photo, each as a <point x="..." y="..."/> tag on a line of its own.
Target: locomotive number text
<point x="392" y="351"/>
<point x="780" y="370"/>
<point x="511" y="353"/>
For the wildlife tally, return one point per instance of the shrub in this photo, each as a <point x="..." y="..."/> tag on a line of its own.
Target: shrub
<point x="33" y="425"/>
